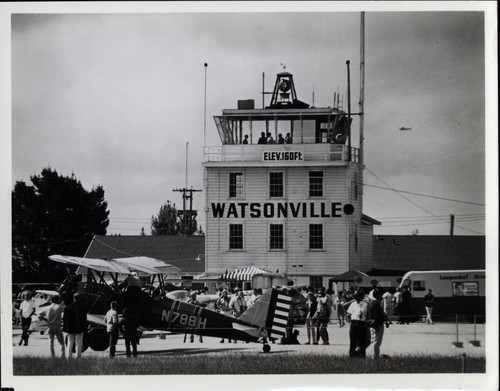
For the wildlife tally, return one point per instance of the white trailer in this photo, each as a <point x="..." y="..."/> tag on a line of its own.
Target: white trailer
<point x="459" y="292"/>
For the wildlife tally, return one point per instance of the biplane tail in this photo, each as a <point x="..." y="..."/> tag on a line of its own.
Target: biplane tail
<point x="270" y="312"/>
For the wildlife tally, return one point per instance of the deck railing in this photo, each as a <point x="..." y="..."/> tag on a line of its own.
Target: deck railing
<point x="253" y="153"/>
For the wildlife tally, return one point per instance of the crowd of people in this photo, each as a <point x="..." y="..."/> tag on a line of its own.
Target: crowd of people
<point x="366" y="314"/>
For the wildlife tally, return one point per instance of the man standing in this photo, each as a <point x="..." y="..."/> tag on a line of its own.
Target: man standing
<point x="323" y="316"/>
<point x="429" y="306"/>
<point x="192" y="300"/>
<point x="377" y="319"/>
<point x="405" y="311"/>
<point x="53" y="316"/>
<point x="238" y="304"/>
<point x="111" y="320"/>
<point x="75" y="324"/>
<point x="27" y="309"/>
<point x="358" y="311"/>
<point x="387" y="302"/>
<point x="128" y="326"/>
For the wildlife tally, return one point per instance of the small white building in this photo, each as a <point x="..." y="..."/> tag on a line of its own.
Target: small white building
<point x="293" y="204"/>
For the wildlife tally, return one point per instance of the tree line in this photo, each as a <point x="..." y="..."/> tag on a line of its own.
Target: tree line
<point x="55" y="214"/>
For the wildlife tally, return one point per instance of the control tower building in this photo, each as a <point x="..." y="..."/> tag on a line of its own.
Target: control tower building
<point x="284" y="191"/>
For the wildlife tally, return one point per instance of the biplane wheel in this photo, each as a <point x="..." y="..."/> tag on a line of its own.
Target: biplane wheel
<point x="98" y="339"/>
<point x="266" y="348"/>
<point x="42" y="332"/>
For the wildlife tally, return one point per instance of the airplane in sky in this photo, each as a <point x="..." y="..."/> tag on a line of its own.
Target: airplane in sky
<point x="402" y="128"/>
<point x="265" y="321"/>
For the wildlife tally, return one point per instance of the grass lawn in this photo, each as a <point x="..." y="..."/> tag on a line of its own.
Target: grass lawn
<point x="239" y="364"/>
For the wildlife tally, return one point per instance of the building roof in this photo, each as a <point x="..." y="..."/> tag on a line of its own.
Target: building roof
<point x="367" y="220"/>
<point x="180" y="251"/>
<point x="428" y="252"/>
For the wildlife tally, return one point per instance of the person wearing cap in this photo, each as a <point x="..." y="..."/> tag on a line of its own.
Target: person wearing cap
<point x="133" y="281"/>
<point x="27" y="309"/>
<point x="377" y="318"/>
<point x="358" y="311"/>
<point x="192" y="300"/>
<point x="53" y="316"/>
<point x="75" y="325"/>
<point x="111" y="320"/>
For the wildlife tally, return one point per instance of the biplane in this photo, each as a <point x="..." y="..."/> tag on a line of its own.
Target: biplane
<point x="265" y="321"/>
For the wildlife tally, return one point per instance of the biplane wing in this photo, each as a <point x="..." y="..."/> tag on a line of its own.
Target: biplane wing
<point x="148" y="265"/>
<point x="144" y="265"/>
<point x="100" y="265"/>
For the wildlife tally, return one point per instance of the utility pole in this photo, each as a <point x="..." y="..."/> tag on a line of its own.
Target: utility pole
<point x="187" y="215"/>
<point x="452" y="223"/>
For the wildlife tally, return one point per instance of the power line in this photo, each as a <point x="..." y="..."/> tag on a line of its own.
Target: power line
<point x="423" y="195"/>
<point x="415" y="204"/>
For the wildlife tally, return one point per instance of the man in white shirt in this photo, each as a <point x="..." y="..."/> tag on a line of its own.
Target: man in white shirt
<point x="358" y="332"/>
<point x="53" y="316"/>
<point x="111" y="320"/>
<point x="387" y="302"/>
<point x="27" y="309"/>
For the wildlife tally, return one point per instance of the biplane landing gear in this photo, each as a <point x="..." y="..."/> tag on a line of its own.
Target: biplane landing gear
<point x="266" y="348"/>
<point x="98" y="339"/>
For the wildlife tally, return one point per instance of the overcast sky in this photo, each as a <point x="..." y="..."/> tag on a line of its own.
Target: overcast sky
<point x="114" y="98"/>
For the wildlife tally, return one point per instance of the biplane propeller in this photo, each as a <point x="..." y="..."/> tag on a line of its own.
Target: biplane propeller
<point x="265" y="321"/>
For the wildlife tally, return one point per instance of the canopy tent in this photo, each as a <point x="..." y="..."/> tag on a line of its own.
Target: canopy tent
<point x="351" y="276"/>
<point x="244" y="274"/>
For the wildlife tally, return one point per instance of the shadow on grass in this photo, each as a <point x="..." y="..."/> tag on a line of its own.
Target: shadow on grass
<point x="203" y="351"/>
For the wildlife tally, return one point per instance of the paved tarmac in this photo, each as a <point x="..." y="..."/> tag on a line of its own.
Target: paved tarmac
<point x="416" y="338"/>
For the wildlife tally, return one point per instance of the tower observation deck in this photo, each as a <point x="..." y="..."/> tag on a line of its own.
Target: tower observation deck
<point x="287" y="125"/>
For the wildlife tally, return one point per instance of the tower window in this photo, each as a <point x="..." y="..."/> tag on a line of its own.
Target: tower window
<point x="315" y="236"/>
<point x="276" y="240"/>
<point x="315" y="183"/>
<point x="235" y="185"/>
<point x="236" y="236"/>
<point x="276" y="185"/>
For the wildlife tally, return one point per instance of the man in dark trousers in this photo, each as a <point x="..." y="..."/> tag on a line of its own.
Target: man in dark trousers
<point x="405" y="308"/>
<point x="358" y="311"/>
<point x="128" y="327"/>
<point x="377" y="319"/>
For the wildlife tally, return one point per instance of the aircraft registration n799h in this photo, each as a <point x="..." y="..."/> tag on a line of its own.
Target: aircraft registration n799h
<point x="264" y="321"/>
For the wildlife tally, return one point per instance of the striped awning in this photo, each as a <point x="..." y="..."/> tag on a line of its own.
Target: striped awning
<point x="244" y="274"/>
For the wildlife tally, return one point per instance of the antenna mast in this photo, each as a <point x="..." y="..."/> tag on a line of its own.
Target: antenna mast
<point x="362" y="91"/>
<point x="205" y="110"/>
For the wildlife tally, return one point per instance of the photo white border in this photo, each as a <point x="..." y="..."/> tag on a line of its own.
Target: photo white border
<point x="486" y="381"/>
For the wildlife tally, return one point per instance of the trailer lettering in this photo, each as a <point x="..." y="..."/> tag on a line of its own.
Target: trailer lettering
<point x="454" y="277"/>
